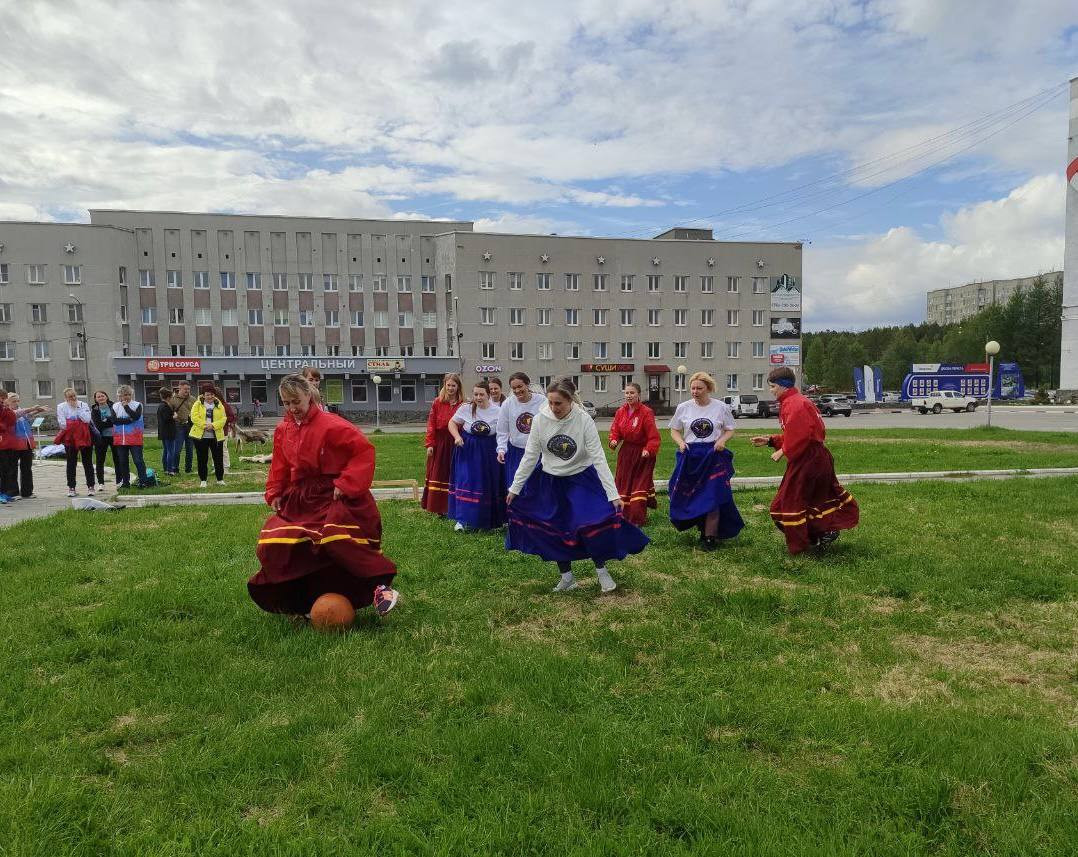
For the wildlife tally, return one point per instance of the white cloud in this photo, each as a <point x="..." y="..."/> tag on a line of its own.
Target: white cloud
<point x="524" y="224"/>
<point x="883" y="279"/>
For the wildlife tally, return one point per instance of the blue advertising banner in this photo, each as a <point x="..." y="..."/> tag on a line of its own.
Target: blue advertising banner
<point x="877" y="382"/>
<point x="859" y="383"/>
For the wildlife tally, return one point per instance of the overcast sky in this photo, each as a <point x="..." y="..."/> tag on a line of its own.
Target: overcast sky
<point x="597" y="118"/>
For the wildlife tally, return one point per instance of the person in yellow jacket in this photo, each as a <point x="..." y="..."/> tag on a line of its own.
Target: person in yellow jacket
<point x="208" y="433"/>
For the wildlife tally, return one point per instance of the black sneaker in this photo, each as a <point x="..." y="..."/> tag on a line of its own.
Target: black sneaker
<point x="708" y="543"/>
<point x="827" y="538"/>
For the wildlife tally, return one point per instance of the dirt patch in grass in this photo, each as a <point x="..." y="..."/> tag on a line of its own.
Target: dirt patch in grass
<point x="572" y="611"/>
<point x="742" y="584"/>
<point x="263" y="816"/>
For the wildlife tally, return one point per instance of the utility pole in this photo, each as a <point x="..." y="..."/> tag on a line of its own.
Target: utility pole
<point x="85" y="343"/>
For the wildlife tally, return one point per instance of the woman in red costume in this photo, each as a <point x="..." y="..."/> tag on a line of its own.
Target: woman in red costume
<point x="439" y="444"/>
<point x="811" y="506"/>
<point x="326" y="533"/>
<point x="635" y="431"/>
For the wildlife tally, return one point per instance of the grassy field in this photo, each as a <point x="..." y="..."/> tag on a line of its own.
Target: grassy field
<point x="401" y="456"/>
<point x="914" y="692"/>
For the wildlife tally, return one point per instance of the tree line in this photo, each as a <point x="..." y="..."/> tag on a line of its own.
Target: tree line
<point x="1028" y="328"/>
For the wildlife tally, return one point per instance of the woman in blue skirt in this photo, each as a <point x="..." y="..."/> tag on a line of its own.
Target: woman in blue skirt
<point x="476" y="501"/>
<point x="570" y="508"/>
<point x="700" y="494"/>
<point x="515" y="423"/>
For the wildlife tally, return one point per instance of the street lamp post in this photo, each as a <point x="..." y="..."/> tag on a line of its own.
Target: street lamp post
<point x="991" y="349"/>
<point x="377" y="402"/>
<point x="682" y="370"/>
<point x="85" y="343"/>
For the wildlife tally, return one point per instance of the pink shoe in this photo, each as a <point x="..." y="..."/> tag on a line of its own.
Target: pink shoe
<point x="385" y="599"/>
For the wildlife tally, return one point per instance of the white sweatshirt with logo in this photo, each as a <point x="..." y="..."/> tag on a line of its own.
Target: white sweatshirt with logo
<point x="567" y="446"/>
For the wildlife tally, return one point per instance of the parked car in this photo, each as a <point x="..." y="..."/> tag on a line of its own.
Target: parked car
<point x="891" y="397"/>
<point x="589" y="408"/>
<point x="942" y="400"/>
<point x="767" y="408"/>
<point x="832" y="405"/>
<point x="743" y="406"/>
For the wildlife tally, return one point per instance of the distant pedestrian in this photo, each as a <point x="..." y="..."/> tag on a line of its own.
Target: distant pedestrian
<point x="811" y="506"/>
<point x="75" y="420"/>
<point x="168" y="433"/>
<point x="314" y="378"/>
<point x="8" y="480"/>
<point x="104" y="423"/>
<point x="258" y="409"/>
<point x="24" y="444"/>
<point x="129" y="422"/>
<point x="182" y="401"/>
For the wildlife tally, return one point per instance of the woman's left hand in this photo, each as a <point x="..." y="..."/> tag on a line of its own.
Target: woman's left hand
<point x="618" y="503"/>
<point x="645" y="454"/>
<point x="720" y="445"/>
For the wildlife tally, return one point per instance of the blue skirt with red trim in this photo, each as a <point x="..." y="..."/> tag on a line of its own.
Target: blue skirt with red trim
<point x="562" y="518"/>
<point x="513" y="455"/>
<point x="477" y="489"/>
<point x="700" y="485"/>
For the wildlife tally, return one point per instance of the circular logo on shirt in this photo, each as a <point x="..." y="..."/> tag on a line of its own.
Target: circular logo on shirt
<point x="561" y="446"/>
<point x="524" y="423"/>
<point x="480" y="427"/>
<point x="702" y="427"/>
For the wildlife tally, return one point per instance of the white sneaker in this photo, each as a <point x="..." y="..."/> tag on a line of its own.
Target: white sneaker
<point x="459" y="528"/>
<point x="202" y="484"/>
<point x="72" y="493"/>
<point x="89" y="492"/>
<point x="606" y="582"/>
<point x="566" y="585"/>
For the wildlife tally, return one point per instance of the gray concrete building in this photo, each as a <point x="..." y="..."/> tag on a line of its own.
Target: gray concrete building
<point x="955" y="304"/>
<point x="240" y="300"/>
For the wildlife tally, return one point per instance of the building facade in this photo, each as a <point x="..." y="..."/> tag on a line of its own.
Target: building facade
<point x="950" y="306"/>
<point x="241" y="300"/>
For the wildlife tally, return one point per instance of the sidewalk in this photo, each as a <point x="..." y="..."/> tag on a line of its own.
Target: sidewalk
<point x="50" y="493"/>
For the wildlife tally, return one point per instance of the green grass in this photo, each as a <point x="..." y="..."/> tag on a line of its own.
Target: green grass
<point x="914" y="692"/>
<point x="401" y="456"/>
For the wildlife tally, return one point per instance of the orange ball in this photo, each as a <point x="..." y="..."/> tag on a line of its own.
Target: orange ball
<point x="332" y="612"/>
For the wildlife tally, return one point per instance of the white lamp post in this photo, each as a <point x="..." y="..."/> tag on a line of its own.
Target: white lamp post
<point x="682" y="370"/>
<point x="991" y="348"/>
<point x="377" y="403"/>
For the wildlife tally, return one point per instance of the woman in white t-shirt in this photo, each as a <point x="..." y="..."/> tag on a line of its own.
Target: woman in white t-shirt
<point x="515" y="423"/>
<point x="700" y="494"/>
<point x="476" y="486"/>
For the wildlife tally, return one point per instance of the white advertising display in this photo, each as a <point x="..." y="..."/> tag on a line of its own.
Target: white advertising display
<point x="785" y="355"/>
<point x="785" y="294"/>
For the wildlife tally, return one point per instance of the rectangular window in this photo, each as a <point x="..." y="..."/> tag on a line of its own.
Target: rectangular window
<point x="4" y="274"/>
<point x="5" y="314"/>
<point x="628" y="317"/>
<point x="707" y="285"/>
<point x="381" y="318"/>
<point x="426" y="284"/>
<point x="280" y="282"/>
<point x="655" y="351"/>
<point x="204" y="350"/>
<point x="757" y="318"/>
<point x="306" y="282"/>
<point x="542" y="317"/>
<point x="626" y="380"/>
<point x="430" y="320"/>
<point x="733" y="317"/>
<point x="7" y="352"/>
<point x="359" y="388"/>
<point x="179" y="350"/>
<point x="173" y="280"/>
<point x="254" y="317"/>
<point x="490" y="350"/>
<point x="758" y="349"/>
<point x="228" y="280"/>
<point x="329" y="282"/>
<point x="544" y="351"/>
<point x="681" y="350"/>
<point x="280" y="318"/>
<point x="599" y="350"/>
<point x="39" y="313"/>
<point x="572" y="282"/>
<point x="542" y="282"/>
<point x="74" y="314"/>
<point x="544" y="381"/>
<point x="73" y="275"/>
<point x="654" y="318"/>
<point x="486" y="280"/>
<point x="681" y="283"/>
<point x="759" y="285"/>
<point x="333" y="318"/>
<point x="254" y="281"/>
<point x="733" y="285"/>
<point x="655" y="282"/>
<point x="407" y="391"/>
<point x="283" y="351"/>
<point x="149" y="315"/>
<point x="385" y="391"/>
<point x="355" y="283"/>
<point x="405" y="319"/>
<point x="228" y="318"/>
<point x="681" y="317"/>
<point x="121" y="275"/>
<point x="404" y="286"/>
<point x="380" y="283"/>
<point x="201" y="279"/>
<point x="572" y="318"/>
<point x="357" y="350"/>
<point x="516" y="280"/>
<point x="572" y="350"/>
<point x="707" y="317"/>
<point x="146" y="279"/>
<point x="39" y="350"/>
<point x="627" y="282"/>
<point x="75" y="349"/>
<point x="357" y="318"/>
<point x="679" y="383"/>
<point x="306" y="351"/>
<point x="430" y="350"/>
<point x="600" y="383"/>
<point x="381" y="351"/>
<point x="43" y="388"/>
<point x="175" y="315"/>
<point x="516" y="350"/>
<point x="203" y="316"/>
<point x="758" y="380"/>
<point x="731" y="382"/>
<point x="598" y="282"/>
<point x="733" y="349"/>
<point x="487" y="315"/>
<point x="599" y="316"/>
<point x="516" y="316"/>
<point x="707" y="350"/>
<point x="230" y="350"/>
<point x="627" y="350"/>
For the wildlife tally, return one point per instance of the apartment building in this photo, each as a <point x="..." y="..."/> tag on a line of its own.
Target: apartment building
<point x="955" y="304"/>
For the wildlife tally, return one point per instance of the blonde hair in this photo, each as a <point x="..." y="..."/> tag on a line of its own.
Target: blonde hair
<point x="70" y="390"/>
<point x="705" y="379"/>
<point x="443" y="394"/>
<point x="125" y="390"/>
<point x="297" y="384"/>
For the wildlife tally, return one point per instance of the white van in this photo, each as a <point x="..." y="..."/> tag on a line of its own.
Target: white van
<point x="744" y="406"/>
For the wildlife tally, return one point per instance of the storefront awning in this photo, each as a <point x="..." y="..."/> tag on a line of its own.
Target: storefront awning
<point x="657" y="369"/>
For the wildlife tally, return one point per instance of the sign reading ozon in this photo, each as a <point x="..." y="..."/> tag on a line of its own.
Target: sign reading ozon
<point x="172" y="364"/>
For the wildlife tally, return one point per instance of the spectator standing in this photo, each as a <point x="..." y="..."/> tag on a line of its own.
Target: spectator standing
<point x="103" y="422"/>
<point x="74" y="420"/>
<point x="168" y="433"/>
<point x="208" y="424"/>
<point x="182" y="402"/>
<point x="23" y="444"/>
<point x="129" y="423"/>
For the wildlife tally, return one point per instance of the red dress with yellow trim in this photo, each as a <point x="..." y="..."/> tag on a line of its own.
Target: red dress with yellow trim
<point x="439" y="462"/>
<point x="316" y="544"/>
<point x="810" y="500"/>
<point x="635" y="431"/>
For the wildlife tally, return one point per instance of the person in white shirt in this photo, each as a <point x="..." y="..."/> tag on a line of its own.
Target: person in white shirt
<point x="76" y="433"/>
<point x="570" y="509"/>
<point x="700" y="494"/>
<point x="515" y="423"/>
<point x="476" y="498"/>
